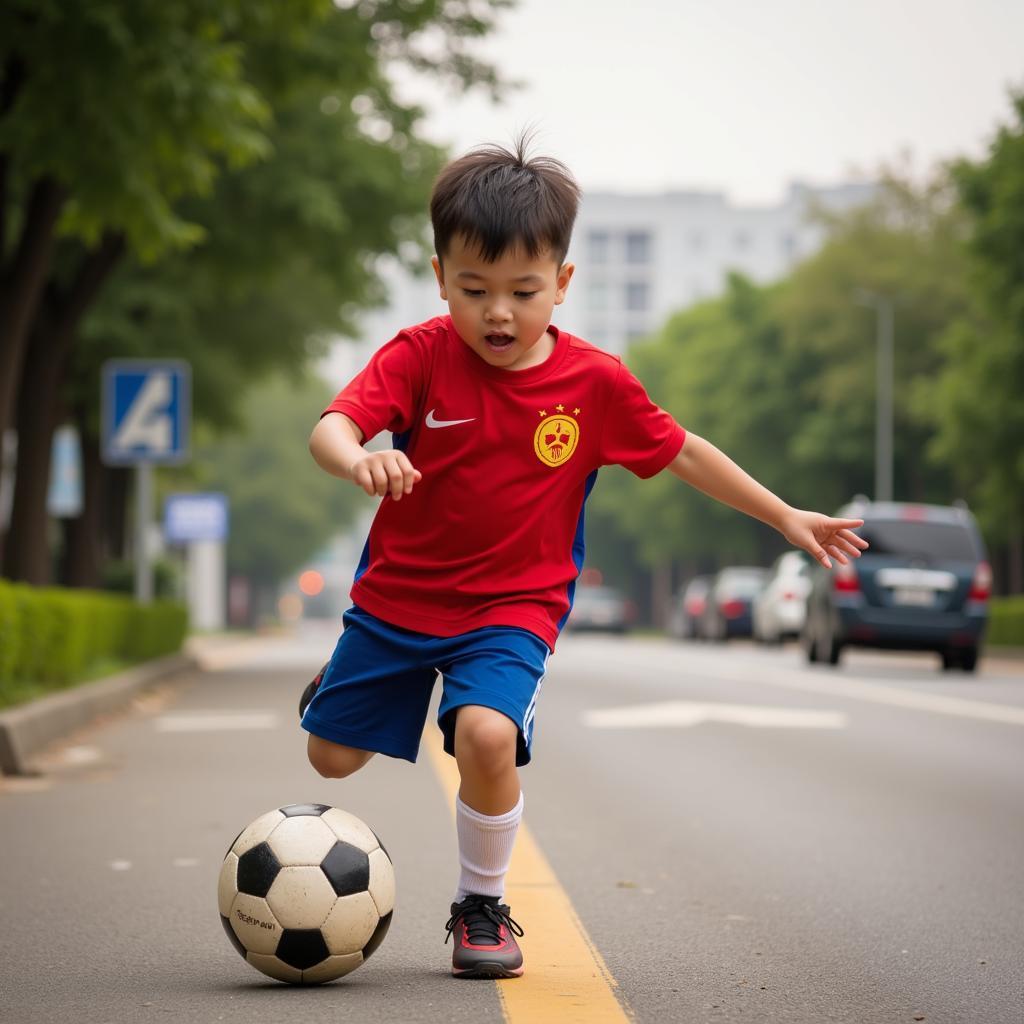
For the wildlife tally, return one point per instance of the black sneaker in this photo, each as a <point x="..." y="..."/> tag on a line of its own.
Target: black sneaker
<point x="307" y="693"/>
<point x="485" y="939"/>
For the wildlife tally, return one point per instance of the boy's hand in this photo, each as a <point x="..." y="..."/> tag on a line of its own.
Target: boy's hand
<point x="382" y="473"/>
<point x="821" y="536"/>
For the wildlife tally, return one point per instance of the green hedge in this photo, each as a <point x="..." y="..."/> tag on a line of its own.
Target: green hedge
<point x="52" y="637"/>
<point x="1006" y="621"/>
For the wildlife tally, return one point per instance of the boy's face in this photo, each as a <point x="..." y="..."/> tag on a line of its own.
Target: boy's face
<point x="502" y="309"/>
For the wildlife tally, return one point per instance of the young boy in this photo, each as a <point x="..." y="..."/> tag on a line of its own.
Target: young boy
<point x="501" y="422"/>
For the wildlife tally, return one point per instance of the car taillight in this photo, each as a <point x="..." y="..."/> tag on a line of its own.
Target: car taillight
<point x="981" y="585"/>
<point x="732" y="609"/>
<point x="788" y="595"/>
<point x="695" y="606"/>
<point x="844" y="579"/>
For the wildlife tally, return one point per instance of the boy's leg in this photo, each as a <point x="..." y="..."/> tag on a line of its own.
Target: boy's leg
<point x="333" y="760"/>
<point x="488" y="810"/>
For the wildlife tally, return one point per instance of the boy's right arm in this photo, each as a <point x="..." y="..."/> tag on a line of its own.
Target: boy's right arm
<point x="337" y="446"/>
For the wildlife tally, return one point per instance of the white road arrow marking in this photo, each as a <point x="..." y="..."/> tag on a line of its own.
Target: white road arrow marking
<point x="676" y="713"/>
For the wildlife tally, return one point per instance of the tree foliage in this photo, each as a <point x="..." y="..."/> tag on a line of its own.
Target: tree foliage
<point x="283" y="507"/>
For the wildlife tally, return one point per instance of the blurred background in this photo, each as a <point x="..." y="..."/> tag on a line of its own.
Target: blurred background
<point x="802" y="227"/>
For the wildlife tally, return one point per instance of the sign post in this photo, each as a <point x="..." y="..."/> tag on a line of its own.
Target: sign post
<point x="200" y="522"/>
<point x="147" y="411"/>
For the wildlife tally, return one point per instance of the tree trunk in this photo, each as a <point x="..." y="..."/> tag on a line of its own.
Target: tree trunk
<point x="28" y="556"/>
<point x="21" y="287"/>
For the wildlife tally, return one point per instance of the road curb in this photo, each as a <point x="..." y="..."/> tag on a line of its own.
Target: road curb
<point x="27" y="727"/>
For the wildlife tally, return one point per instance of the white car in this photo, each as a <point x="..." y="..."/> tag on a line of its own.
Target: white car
<point x="781" y="607"/>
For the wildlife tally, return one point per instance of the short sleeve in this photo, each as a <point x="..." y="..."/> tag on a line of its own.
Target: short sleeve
<point x="637" y="433"/>
<point x="384" y="395"/>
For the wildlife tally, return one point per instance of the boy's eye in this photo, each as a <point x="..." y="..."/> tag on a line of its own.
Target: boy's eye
<point x="474" y="292"/>
<point x="525" y="295"/>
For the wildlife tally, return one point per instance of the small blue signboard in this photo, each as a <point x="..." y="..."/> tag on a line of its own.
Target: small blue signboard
<point x="195" y="517"/>
<point x="147" y="407"/>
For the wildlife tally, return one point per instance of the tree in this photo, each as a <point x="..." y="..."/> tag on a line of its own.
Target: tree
<point x="327" y="196"/>
<point x="283" y="507"/>
<point x="976" y="408"/>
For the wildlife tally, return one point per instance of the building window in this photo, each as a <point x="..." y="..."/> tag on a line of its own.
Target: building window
<point x="635" y="334"/>
<point x="636" y="296"/>
<point x="788" y="243"/>
<point x="598" y="246"/>
<point x="638" y="247"/>
<point x="741" y="240"/>
<point x="597" y="295"/>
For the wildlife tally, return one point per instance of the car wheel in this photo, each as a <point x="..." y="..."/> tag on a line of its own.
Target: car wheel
<point x="969" y="659"/>
<point x="810" y="645"/>
<point x="950" y="660"/>
<point x="832" y="649"/>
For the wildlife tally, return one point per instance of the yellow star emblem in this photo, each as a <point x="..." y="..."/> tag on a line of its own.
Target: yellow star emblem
<point x="576" y="412"/>
<point x="560" y="407"/>
<point x="543" y="412"/>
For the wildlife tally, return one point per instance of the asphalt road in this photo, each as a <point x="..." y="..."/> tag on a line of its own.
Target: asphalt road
<point x="743" y="837"/>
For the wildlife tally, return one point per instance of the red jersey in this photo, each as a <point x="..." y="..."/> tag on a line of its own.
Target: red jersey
<point x="493" y="533"/>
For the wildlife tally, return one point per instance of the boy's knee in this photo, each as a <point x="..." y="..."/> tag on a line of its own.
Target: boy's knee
<point x="485" y="738"/>
<point x="334" y="761"/>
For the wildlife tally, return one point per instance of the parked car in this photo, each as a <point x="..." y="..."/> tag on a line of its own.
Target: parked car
<point x="688" y="607"/>
<point x="924" y="584"/>
<point x="780" y="608"/>
<point x="600" y="608"/>
<point x="727" y="612"/>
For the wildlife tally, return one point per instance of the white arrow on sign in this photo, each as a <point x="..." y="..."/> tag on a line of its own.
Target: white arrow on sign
<point x="148" y="424"/>
<point x="686" y="713"/>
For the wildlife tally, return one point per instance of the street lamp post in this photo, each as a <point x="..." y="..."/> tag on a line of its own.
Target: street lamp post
<point x="884" y="330"/>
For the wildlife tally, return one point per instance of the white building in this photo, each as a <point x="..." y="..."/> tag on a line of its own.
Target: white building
<point x="639" y="258"/>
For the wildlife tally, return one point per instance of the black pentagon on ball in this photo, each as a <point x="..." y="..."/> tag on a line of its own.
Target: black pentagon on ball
<point x="302" y="948"/>
<point x="378" y="935"/>
<point x="235" y="941"/>
<point x="297" y="810"/>
<point x="257" y="869"/>
<point x="347" y="869"/>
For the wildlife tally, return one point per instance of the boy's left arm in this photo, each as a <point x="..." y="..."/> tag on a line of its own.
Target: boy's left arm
<point x="703" y="466"/>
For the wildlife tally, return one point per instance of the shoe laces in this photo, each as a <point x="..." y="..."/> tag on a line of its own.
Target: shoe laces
<point x="483" y="921"/>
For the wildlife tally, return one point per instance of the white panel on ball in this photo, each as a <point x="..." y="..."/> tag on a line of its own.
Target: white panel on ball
<point x="256" y="832"/>
<point x="349" y="829"/>
<point x="301" y="897"/>
<point x="254" y="923"/>
<point x="333" y="967"/>
<point x="350" y="924"/>
<point x="382" y="882"/>
<point x="275" y="968"/>
<point x="301" y="840"/>
<point x="227" y="884"/>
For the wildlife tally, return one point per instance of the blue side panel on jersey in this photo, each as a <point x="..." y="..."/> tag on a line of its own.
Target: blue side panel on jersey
<point x="399" y="442"/>
<point x="578" y="546"/>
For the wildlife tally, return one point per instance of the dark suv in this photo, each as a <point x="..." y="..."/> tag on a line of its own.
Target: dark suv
<point x="923" y="584"/>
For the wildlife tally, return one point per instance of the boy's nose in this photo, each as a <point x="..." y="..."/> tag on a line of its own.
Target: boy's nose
<point x="498" y="314"/>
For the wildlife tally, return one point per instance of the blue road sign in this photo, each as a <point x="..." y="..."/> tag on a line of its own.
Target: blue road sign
<point x="147" y="411"/>
<point x="192" y="517"/>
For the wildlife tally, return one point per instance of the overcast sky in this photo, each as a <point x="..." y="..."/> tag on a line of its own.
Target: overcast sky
<point x="744" y="96"/>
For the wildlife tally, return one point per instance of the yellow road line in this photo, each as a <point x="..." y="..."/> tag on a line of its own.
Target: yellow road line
<point x="566" y="979"/>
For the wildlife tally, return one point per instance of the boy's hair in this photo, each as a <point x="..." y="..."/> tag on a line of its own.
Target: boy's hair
<point x="495" y="199"/>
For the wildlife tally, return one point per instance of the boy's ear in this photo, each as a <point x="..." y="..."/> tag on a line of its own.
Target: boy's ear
<point x="439" y="274"/>
<point x="562" y="282"/>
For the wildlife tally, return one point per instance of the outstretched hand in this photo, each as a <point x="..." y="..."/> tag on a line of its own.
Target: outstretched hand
<point x="822" y="536"/>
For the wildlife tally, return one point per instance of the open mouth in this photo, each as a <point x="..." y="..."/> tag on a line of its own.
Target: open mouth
<point x="499" y="342"/>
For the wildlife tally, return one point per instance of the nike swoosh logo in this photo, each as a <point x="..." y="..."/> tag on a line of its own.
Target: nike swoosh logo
<point x="431" y="422"/>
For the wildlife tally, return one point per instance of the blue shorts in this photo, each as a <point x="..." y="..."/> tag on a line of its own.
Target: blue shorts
<point x="376" y="691"/>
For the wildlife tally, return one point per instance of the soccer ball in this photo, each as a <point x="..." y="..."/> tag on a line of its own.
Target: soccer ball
<point x="306" y="893"/>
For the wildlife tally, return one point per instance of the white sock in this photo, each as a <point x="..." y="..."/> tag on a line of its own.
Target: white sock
<point x="485" y="849"/>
